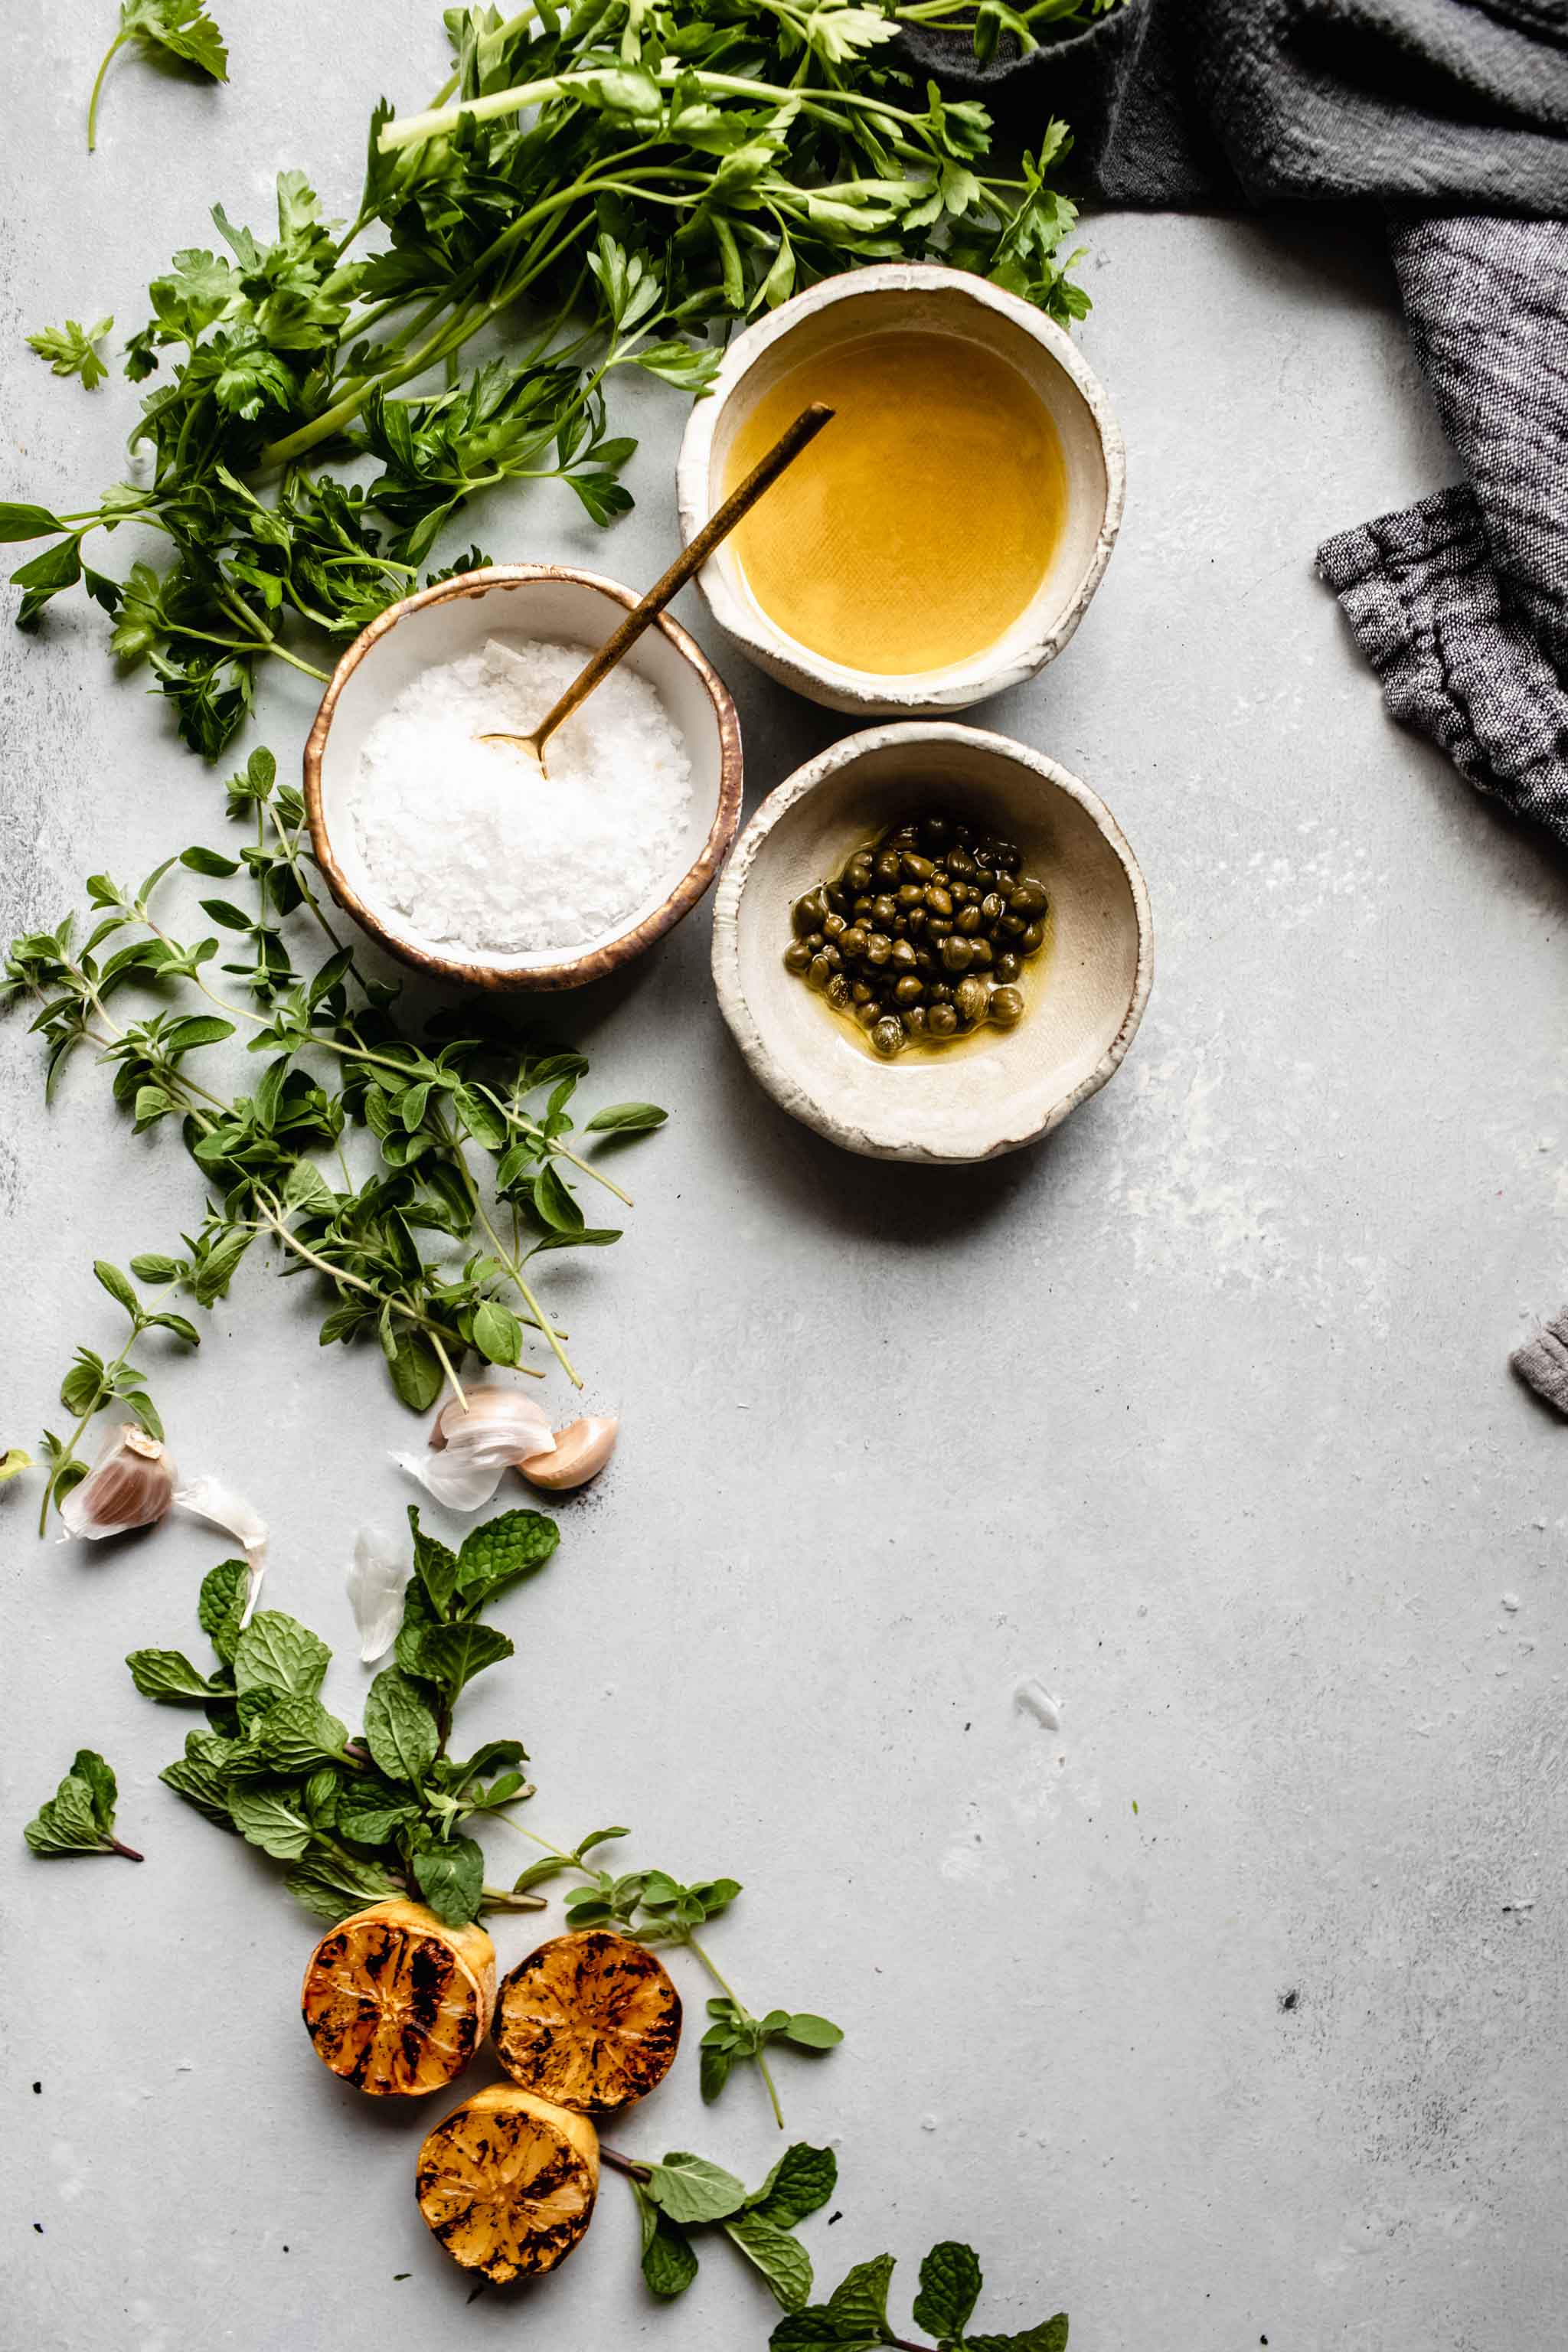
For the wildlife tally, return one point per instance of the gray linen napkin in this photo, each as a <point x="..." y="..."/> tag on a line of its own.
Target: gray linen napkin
<point x="1543" y="1360"/>
<point x="1461" y="602"/>
<point x="1454" y="115"/>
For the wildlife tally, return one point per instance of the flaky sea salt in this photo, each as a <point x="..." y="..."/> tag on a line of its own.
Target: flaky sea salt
<point x="475" y="848"/>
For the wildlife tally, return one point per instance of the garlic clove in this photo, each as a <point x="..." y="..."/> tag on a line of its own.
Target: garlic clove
<point x="131" y="1484"/>
<point x="377" y="1581"/>
<point x="220" y="1506"/>
<point x="580" y="1452"/>
<point x="474" y="1444"/>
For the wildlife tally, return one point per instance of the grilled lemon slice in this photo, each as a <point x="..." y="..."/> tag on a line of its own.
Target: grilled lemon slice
<point x="398" y="2003"/>
<point x="507" y="2183"/>
<point x="591" y="2022"/>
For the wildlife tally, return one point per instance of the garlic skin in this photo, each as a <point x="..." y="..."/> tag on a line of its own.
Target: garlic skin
<point x="131" y="1484"/>
<point x="472" y="1445"/>
<point x="580" y="1452"/>
<point x="220" y="1506"/>
<point x="375" y="1586"/>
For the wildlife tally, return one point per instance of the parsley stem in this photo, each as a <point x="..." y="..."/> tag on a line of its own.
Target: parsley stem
<point x="114" y="48"/>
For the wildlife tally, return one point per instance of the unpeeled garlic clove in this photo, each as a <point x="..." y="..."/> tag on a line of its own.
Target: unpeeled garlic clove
<point x="474" y="1444"/>
<point x="132" y="1485"/>
<point x="580" y="1452"/>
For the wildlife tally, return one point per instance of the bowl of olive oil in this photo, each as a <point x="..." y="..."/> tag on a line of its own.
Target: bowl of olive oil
<point x="942" y="539"/>
<point x="932" y="943"/>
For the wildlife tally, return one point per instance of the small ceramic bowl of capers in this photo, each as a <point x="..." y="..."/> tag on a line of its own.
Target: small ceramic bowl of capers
<point x="932" y="943"/>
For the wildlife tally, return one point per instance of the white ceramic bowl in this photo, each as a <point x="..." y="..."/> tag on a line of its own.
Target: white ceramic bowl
<point x="904" y="295"/>
<point x="999" y="1089"/>
<point x="559" y="607"/>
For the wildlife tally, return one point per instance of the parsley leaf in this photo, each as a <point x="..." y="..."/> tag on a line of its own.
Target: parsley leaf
<point x="180" y="29"/>
<point x="70" y="349"/>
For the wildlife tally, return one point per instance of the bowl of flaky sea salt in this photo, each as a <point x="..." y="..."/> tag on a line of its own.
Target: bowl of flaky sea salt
<point x="456" y="853"/>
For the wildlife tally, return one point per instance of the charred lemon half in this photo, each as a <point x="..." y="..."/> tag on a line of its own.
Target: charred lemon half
<point x="507" y="2183"/>
<point x="395" y="2003"/>
<point x="591" y="2022"/>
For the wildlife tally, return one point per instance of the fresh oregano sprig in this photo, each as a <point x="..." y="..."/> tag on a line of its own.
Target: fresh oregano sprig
<point x="657" y="1909"/>
<point x="474" y="1142"/>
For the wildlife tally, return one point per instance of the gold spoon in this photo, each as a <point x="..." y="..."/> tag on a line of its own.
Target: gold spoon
<point x="719" y="525"/>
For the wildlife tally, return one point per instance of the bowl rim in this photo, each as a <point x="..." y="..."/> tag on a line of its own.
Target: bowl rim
<point x="578" y="970"/>
<point x="866" y="693"/>
<point x="733" y="1004"/>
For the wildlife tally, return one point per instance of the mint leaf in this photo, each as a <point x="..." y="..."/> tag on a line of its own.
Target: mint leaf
<point x="451" y="1876"/>
<point x="294" y="1736"/>
<point x="451" y="1656"/>
<point x="199" y="1776"/>
<point x="860" y="2300"/>
<point x="168" y="1674"/>
<point x="98" y="1779"/>
<point x="1049" y="2336"/>
<point x="668" y="2262"/>
<point x="400" y="1730"/>
<point x="371" y="1810"/>
<point x="497" y="1554"/>
<point x="272" y="1819"/>
<point x="950" y="2289"/>
<point x="802" y="2179"/>
<point x="782" y="2259"/>
<point x="690" y="2189"/>
<point x="276" y="1653"/>
<point x="330" y="1883"/>
<point x="434" y="1565"/>
<point x="80" y="1817"/>
<point x="226" y="1588"/>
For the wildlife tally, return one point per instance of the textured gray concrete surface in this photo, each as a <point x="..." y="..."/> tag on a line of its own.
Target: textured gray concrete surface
<point x="1235" y="2008"/>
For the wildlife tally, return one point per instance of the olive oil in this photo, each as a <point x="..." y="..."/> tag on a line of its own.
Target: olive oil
<point x="920" y="523"/>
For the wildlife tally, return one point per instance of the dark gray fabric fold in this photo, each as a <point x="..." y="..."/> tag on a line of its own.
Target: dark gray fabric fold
<point x="1454" y="115"/>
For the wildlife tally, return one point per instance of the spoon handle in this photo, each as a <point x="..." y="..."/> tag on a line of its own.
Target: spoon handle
<point x="691" y="559"/>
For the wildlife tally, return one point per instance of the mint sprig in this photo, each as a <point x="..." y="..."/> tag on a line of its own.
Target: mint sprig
<point x="80" y="1817"/>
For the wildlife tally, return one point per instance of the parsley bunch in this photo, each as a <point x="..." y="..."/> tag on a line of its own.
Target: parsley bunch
<point x="475" y="1157"/>
<point x="607" y="188"/>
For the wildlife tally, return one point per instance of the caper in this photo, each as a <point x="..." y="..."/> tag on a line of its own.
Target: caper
<point x="1027" y="897"/>
<point x="878" y="948"/>
<point x="917" y="868"/>
<point x="910" y="894"/>
<point x="888" y="1037"/>
<point x="939" y="992"/>
<point x="1014" y="925"/>
<point x="914" y="1020"/>
<point x="961" y="893"/>
<point x="861" y="992"/>
<point x="857" y="873"/>
<point x="925" y="960"/>
<point x="885" y="865"/>
<point x="992" y="906"/>
<point x="813" y="908"/>
<point x="862" y="906"/>
<point x="937" y="927"/>
<point x="941" y="1021"/>
<point x="1007" y="965"/>
<point x="818" y="972"/>
<point x="969" y="998"/>
<point x="837" y="992"/>
<point x="868" y="1013"/>
<point x="962" y="864"/>
<point x="797" y="955"/>
<point x="909" y="989"/>
<point x="832" y="958"/>
<point x="903" y="954"/>
<point x="936" y="832"/>
<point x="938" y="900"/>
<point x="853" y="940"/>
<point x="835" y="926"/>
<point x="916" y="922"/>
<point x="969" y="919"/>
<point x="1033" y="939"/>
<point x="1006" y="1006"/>
<point x="884" y="909"/>
<point x="980" y="954"/>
